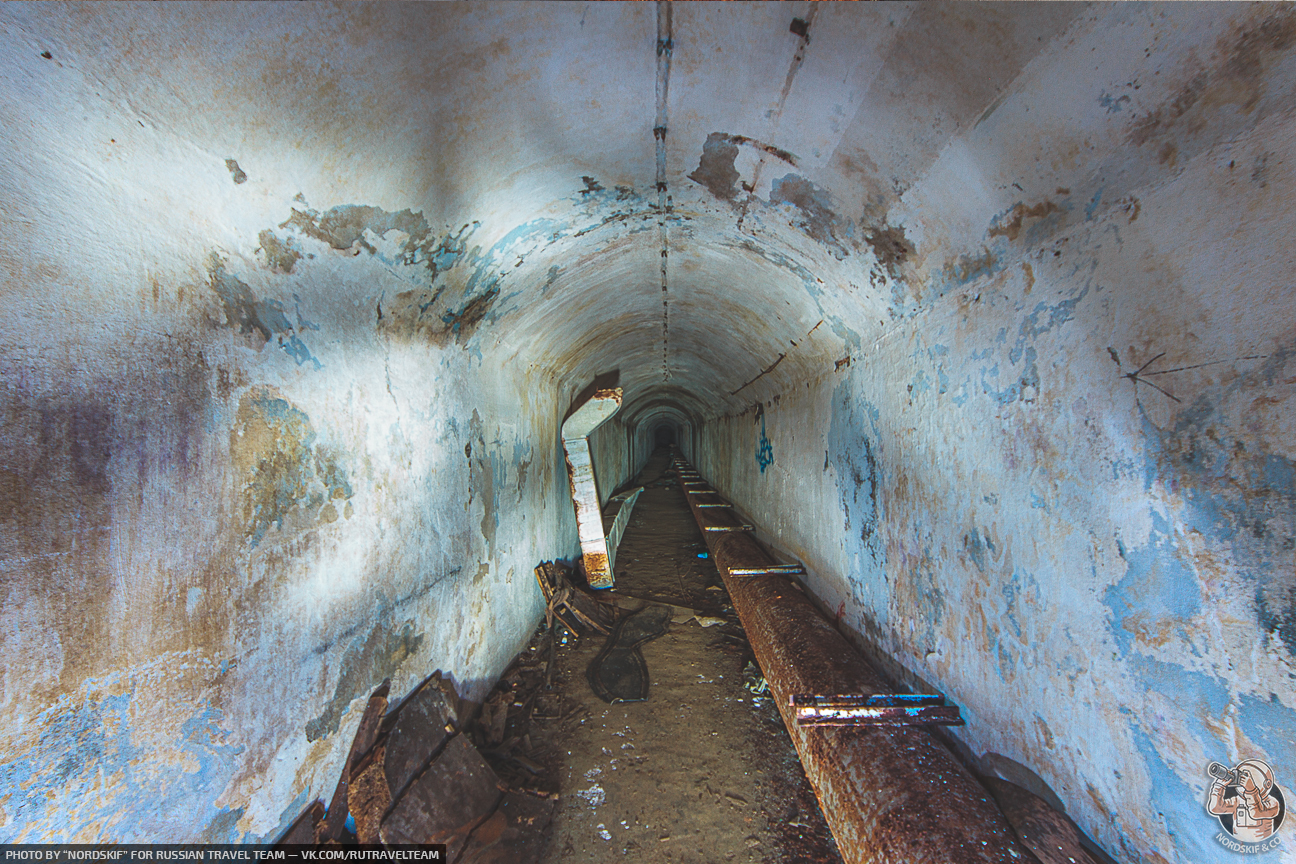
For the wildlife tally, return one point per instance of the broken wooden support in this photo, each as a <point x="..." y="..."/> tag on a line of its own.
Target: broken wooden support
<point x="889" y="793"/>
<point x="577" y="610"/>
<point x="509" y="836"/>
<point x="1047" y="832"/>
<point x="901" y="709"/>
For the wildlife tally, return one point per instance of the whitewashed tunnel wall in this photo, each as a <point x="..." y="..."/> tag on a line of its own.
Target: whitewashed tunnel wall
<point x="297" y="295"/>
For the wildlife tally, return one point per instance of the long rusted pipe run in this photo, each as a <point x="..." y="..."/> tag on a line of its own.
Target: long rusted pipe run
<point x="889" y="794"/>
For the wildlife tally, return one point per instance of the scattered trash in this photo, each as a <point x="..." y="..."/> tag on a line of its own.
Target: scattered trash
<point x="708" y="620"/>
<point x="753" y="681"/>
<point x="594" y="796"/>
<point x="603" y="832"/>
<point x="703" y="555"/>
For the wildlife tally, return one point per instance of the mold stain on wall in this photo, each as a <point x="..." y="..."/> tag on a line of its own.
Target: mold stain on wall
<point x="284" y="473"/>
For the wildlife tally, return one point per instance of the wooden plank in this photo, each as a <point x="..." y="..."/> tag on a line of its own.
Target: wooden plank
<point x="363" y="742"/>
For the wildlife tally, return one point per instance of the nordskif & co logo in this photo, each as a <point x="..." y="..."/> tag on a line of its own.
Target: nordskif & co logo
<point x="1249" y="805"/>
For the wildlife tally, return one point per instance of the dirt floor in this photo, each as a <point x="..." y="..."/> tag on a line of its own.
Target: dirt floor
<point x="703" y="770"/>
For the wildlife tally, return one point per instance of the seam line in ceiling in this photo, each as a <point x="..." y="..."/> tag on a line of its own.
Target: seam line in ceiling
<point x="803" y="39"/>
<point x="665" y="47"/>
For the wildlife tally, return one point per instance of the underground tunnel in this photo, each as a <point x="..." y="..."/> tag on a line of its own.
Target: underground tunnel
<point x="975" y="320"/>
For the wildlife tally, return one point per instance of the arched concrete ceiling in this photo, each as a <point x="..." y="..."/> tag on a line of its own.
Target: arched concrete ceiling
<point x="521" y="141"/>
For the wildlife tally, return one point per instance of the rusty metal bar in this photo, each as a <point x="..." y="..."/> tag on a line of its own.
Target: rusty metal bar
<point x="785" y="569"/>
<point x="889" y="793"/>
<point x="901" y="709"/>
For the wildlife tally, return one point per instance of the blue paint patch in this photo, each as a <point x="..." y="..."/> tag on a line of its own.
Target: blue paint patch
<point x="1269" y="723"/>
<point x="1182" y="811"/>
<point x="266" y="318"/>
<point x="550" y="278"/>
<point x="1199" y="696"/>
<point x="852" y="451"/>
<point x="286" y="818"/>
<point x="957" y="273"/>
<point x="814" y="204"/>
<point x="83" y="747"/>
<point x="1157" y="588"/>
<point x="1233" y="493"/>
<point x="977" y="544"/>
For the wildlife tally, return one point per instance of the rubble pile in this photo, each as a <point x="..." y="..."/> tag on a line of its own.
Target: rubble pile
<point x="440" y="769"/>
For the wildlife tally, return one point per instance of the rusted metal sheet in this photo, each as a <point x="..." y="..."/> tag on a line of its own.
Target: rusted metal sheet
<point x="587" y="417"/>
<point x="889" y="793"/>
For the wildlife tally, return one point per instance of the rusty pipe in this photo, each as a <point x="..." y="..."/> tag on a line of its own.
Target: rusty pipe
<point x="889" y="794"/>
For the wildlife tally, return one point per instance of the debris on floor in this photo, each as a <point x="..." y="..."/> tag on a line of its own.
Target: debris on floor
<point x="414" y="776"/>
<point x="703" y="770"/>
<point x="618" y="673"/>
<point x="577" y="609"/>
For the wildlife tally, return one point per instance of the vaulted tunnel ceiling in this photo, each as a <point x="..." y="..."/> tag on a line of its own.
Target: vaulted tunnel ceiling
<point x="505" y="167"/>
<point x="297" y="295"/>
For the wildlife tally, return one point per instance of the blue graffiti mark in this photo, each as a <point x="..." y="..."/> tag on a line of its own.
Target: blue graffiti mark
<point x="1112" y="105"/>
<point x="764" y="450"/>
<point x="1092" y="206"/>
<point x="1157" y="588"/>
